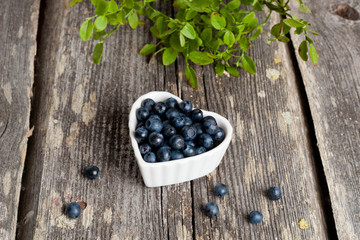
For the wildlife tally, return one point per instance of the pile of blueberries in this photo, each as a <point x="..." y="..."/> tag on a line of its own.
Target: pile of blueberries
<point x="170" y="130"/>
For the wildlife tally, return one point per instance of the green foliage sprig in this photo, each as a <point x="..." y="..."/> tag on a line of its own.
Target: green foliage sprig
<point x="203" y="31"/>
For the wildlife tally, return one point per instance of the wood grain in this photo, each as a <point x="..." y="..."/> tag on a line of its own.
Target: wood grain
<point x="333" y="89"/>
<point x="18" y="28"/>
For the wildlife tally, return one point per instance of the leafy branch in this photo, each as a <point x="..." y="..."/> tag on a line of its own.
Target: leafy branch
<point x="204" y="32"/>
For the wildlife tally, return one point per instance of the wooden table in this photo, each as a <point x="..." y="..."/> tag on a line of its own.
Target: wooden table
<point x="295" y="126"/>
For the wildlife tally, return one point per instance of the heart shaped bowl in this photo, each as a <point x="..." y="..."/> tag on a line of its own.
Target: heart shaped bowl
<point x="182" y="170"/>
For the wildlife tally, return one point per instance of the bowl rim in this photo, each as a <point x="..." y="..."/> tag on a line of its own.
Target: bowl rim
<point x="225" y="124"/>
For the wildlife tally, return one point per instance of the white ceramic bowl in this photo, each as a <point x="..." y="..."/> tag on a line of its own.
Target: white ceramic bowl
<point x="182" y="170"/>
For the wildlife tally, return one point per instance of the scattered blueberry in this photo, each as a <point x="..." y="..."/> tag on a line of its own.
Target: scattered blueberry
<point x="163" y="154"/>
<point x="160" y="108"/>
<point x="73" y="210"/>
<point x="148" y="103"/>
<point x="274" y="193"/>
<point x="189" y="151"/>
<point x="176" y="154"/>
<point x="255" y="217"/>
<point x="219" y="134"/>
<point x="206" y="141"/>
<point x="144" y="148"/>
<point x="168" y="131"/>
<point x="171" y="113"/>
<point x="176" y="142"/>
<point x="142" y="113"/>
<point x="196" y="115"/>
<point x="153" y="125"/>
<point x="171" y="103"/>
<point x="189" y="133"/>
<point x="220" y="190"/>
<point x="92" y="172"/>
<point x="178" y="122"/>
<point x="200" y="150"/>
<point x="156" y="139"/>
<point x="185" y="106"/>
<point x="211" y="209"/>
<point x="141" y="134"/>
<point x="150" y="157"/>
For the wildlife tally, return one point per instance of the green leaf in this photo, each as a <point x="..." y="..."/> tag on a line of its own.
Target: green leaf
<point x="310" y="41"/>
<point x="219" y="68"/>
<point x="206" y="34"/>
<point x="313" y="55"/>
<point x="73" y="2"/>
<point x="304" y="8"/>
<point x="244" y="44"/>
<point x="147" y="49"/>
<point x="95" y="2"/>
<point x="299" y="30"/>
<point x="190" y="75"/>
<point x="248" y="18"/>
<point x="229" y="38"/>
<point x="283" y="39"/>
<point x="232" y="71"/>
<point x="313" y="32"/>
<point x="86" y="30"/>
<point x="217" y="21"/>
<point x="293" y="23"/>
<point x="248" y="65"/>
<point x="233" y="5"/>
<point x="133" y="19"/>
<point x="190" y="14"/>
<point x="303" y="50"/>
<point x="286" y="29"/>
<point x="276" y="30"/>
<point x="169" y="56"/>
<point x="256" y="34"/>
<point x="100" y="23"/>
<point x="160" y="24"/>
<point x="113" y="7"/>
<point x="188" y="31"/>
<point x="121" y="16"/>
<point x="97" y="54"/>
<point x="200" y="58"/>
<point x="182" y="40"/>
<point x="175" y="42"/>
<point x="99" y="35"/>
<point x="102" y="8"/>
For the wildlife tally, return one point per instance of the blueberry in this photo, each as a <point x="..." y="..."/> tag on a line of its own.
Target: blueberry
<point x="219" y="134"/>
<point x="156" y="139"/>
<point x="189" y="133"/>
<point x="274" y="193"/>
<point x="148" y="103"/>
<point x="190" y="143"/>
<point x="144" y="148"/>
<point x="255" y="217"/>
<point x="211" y="129"/>
<point x="185" y="106"/>
<point x="178" y="122"/>
<point x="165" y="123"/>
<point x="188" y="121"/>
<point x="140" y="124"/>
<point x="199" y="128"/>
<point x="176" y="142"/>
<point x="206" y="141"/>
<point x="189" y="151"/>
<point x="163" y="154"/>
<point x="92" y="172"/>
<point x="142" y="113"/>
<point x="150" y="157"/>
<point x="166" y="145"/>
<point x="155" y="116"/>
<point x="171" y="113"/>
<point x="200" y="150"/>
<point x="176" y="154"/>
<point x="209" y="118"/>
<point x="168" y="131"/>
<point x="160" y="108"/>
<point x="220" y="190"/>
<point x="171" y="103"/>
<point x="196" y="115"/>
<point x="141" y="134"/>
<point x="153" y="125"/>
<point x="73" y="210"/>
<point x="211" y="209"/>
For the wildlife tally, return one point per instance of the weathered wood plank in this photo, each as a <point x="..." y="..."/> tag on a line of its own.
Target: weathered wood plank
<point x="82" y="119"/>
<point x="333" y="89"/>
<point x="18" y="28"/>
<point x="270" y="146"/>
